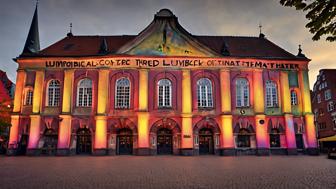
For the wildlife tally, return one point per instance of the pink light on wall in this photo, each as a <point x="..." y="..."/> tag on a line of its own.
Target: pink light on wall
<point x="34" y="134"/>
<point x="290" y="132"/>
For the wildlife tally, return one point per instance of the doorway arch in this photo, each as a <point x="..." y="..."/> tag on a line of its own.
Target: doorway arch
<point x="165" y="135"/>
<point x="207" y="134"/>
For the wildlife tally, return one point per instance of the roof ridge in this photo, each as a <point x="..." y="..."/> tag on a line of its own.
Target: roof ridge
<point x="227" y="36"/>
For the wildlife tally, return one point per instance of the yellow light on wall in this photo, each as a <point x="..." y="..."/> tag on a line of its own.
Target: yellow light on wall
<point x="101" y="132"/>
<point x="261" y="132"/>
<point x="225" y="90"/>
<point x="186" y="92"/>
<point x="305" y="91"/>
<point x="226" y="129"/>
<point x="38" y="88"/>
<point x="102" y="91"/>
<point x="143" y="90"/>
<point x="20" y="80"/>
<point x="285" y="93"/>
<point x="14" y="130"/>
<point x="310" y="131"/>
<point x="67" y="90"/>
<point x="258" y="91"/>
<point x="143" y="137"/>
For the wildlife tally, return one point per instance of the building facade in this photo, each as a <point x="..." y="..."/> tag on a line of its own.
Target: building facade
<point x="163" y="91"/>
<point x="323" y="101"/>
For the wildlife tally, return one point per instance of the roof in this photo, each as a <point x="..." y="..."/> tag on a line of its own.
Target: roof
<point x="161" y="37"/>
<point x="254" y="47"/>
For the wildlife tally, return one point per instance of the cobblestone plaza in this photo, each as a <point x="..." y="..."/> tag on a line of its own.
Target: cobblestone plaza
<point x="168" y="172"/>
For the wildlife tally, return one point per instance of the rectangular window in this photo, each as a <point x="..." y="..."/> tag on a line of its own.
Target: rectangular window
<point x="330" y="106"/>
<point x="327" y="94"/>
<point x="29" y="98"/>
<point x="318" y="98"/>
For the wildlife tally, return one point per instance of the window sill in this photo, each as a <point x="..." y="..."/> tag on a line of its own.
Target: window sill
<point x="205" y="108"/>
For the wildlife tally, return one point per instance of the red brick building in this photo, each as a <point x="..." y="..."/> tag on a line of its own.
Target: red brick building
<point x="162" y="91"/>
<point x="324" y="103"/>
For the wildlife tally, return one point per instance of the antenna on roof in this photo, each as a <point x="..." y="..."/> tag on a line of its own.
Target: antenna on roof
<point x="70" y="32"/>
<point x="261" y="35"/>
<point x="37" y="1"/>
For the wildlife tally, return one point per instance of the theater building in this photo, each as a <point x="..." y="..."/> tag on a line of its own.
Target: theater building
<point x="163" y="91"/>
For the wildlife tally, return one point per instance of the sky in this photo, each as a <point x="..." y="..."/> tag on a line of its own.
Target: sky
<point x="282" y="25"/>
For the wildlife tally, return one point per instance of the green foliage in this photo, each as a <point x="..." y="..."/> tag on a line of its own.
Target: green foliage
<point x="321" y="15"/>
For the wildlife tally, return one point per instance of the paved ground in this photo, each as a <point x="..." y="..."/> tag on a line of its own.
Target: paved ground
<point x="164" y="172"/>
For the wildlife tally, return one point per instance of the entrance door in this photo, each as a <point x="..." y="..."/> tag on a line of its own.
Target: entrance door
<point x="23" y="144"/>
<point x="50" y="142"/>
<point x="125" y="142"/>
<point x="206" y="143"/>
<point x="299" y="141"/>
<point x="83" y="141"/>
<point x="164" y="142"/>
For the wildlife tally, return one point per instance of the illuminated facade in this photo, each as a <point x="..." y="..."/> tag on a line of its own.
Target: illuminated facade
<point x="163" y="91"/>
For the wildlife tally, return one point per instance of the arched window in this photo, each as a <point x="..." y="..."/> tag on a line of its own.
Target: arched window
<point x="122" y="90"/>
<point x="53" y="93"/>
<point x="204" y="93"/>
<point x="242" y="93"/>
<point x="84" y="93"/>
<point x="271" y="94"/>
<point x="164" y="93"/>
<point x="294" y="99"/>
<point x="29" y="97"/>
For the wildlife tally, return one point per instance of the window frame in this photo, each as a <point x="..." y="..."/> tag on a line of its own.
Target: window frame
<point x="204" y="91"/>
<point x="294" y="97"/>
<point x="29" y="96"/>
<point x="163" y="96"/>
<point x="85" y="100"/>
<point x="56" y="93"/>
<point x="124" y="98"/>
<point x="243" y="89"/>
<point x="271" y="94"/>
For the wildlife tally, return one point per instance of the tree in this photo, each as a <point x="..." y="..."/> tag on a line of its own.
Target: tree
<point x="321" y="15"/>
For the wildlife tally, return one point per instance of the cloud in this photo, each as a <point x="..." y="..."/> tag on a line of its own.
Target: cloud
<point x="282" y="25"/>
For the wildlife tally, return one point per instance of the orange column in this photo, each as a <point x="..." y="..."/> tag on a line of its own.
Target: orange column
<point x="307" y="112"/>
<point x="64" y="135"/>
<point x="35" y="119"/>
<point x="34" y="133"/>
<point x="290" y="134"/>
<point x="227" y="142"/>
<point x="20" y="81"/>
<point x="14" y="132"/>
<point x="285" y="93"/>
<point x="258" y="92"/>
<point x="259" y="110"/>
<point x="100" y="147"/>
<point x="187" y="131"/>
<point x="64" y="132"/>
<point x="14" y="129"/>
<point x="287" y="110"/>
<point x="143" y="115"/>
<point x="38" y="91"/>
<point x="100" y="135"/>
